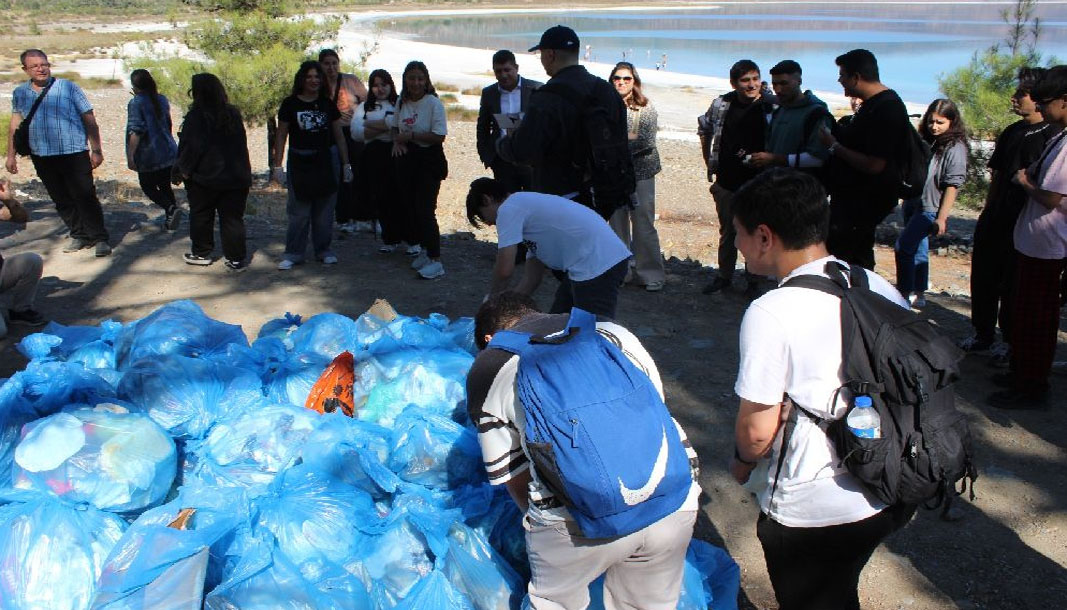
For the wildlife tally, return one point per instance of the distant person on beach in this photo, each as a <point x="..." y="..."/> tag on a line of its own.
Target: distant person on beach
<point x="793" y="135"/>
<point x="862" y="170"/>
<point x="549" y="136"/>
<point x="1040" y="238"/>
<point x="213" y="163"/>
<point x="509" y="99"/>
<point x="993" y="256"/>
<point x="927" y="215"/>
<point x="19" y="273"/>
<point x="311" y="123"/>
<point x="150" y="147"/>
<point x="376" y="177"/>
<point x="572" y="241"/>
<point x="419" y="129"/>
<point x="347" y="91"/>
<point x="730" y="131"/>
<point x="636" y="226"/>
<point x="65" y="148"/>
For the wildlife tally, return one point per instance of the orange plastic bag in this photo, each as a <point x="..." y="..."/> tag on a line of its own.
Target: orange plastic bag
<point x="333" y="390"/>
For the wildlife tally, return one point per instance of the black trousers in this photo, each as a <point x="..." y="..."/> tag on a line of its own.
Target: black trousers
<point x="377" y="179"/>
<point x="351" y="201"/>
<point x="852" y="225"/>
<point x="598" y="295"/>
<point x="204" y="203"/>
<point x="419" y="185"/>
<point x="156" y="186"/>
<point x="992" y="274"/>
<point x="818" y="568"/>
<point x="514" y="177"/>
<point x="69" y="182"/>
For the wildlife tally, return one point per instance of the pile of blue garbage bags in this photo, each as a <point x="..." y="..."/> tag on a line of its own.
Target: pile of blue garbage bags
<point x="113" y="433"/>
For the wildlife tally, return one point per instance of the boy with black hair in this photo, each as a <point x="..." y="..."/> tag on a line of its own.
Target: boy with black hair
<point x="793" y="134"/>
<point x="509" y="96"/>
<point x="993" y="259"/>
<point x="865" y="154"/>
<point x="731" y="130"/>
<point x="818" y="525"/>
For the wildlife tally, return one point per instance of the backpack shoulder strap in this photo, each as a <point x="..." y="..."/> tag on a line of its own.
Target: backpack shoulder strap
<point x="511" y="341"/>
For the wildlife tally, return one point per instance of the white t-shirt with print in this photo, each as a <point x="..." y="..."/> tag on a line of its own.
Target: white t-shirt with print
<point x="424" y="116"/>
<point x="564" y="235"/>
<point x="791" y="344"/>
<point x="1039" y="231"/>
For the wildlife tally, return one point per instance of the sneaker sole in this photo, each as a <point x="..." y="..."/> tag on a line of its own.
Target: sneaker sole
<point x="198" y="263"/>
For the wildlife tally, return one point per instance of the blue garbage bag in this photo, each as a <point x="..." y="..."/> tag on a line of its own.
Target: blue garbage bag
<point x="250" y="449"/>
<point x="115" y="460"/>
<point x="188" y="395"/>
<point x="394" y="557"/>
<point x="92" y="346"/>
<point x="435" y="593"/>
<point x="490" y="510"/>
<point x="389" y="382"/>
<point x="352" y="451"/>
<point x="718" y="572"/>
<point x="326" y="334"/>
<point x="280" y="328"/>
<point x="435" y="451"/>
<point x="313" y="515"/>
<point x="178" y="328"/>
<point x="480" y="573"/>
<point x="52" y="551"/>
<point x="461" y="332"/>
<point x="289" y="381"/>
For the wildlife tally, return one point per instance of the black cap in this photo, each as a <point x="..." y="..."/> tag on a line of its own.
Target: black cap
<point x="557" y="37"/>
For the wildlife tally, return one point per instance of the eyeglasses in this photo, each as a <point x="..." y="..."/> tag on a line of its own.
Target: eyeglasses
<point x="36" y="67"/>
<point x="622" y="78"/>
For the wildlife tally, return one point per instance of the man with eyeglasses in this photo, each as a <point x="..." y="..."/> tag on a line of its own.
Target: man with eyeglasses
<point x="65" y="149"/>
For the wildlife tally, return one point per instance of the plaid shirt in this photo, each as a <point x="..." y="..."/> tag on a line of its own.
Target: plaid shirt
<point x="57" y="127"/>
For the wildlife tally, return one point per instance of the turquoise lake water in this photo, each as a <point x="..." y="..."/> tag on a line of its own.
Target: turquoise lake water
<point x="914" y="43"/>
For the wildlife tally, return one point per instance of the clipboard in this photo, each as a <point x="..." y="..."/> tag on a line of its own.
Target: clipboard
<point x="508" y="120"/>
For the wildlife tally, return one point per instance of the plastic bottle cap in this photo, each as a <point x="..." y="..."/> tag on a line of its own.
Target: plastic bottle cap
<point x="863" y="401"/>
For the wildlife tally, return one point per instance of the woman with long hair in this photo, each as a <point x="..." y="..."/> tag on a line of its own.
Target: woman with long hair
<point x="636" y="227"/>
<point x="419" y="133"/>
<point x="347" y="91"/>
<point x="942" y="127"/>
<point x="150" y="147"/>
<point x="371" y="126"/>
<point x="213" y="163"/>
<point x="312" y="125"/>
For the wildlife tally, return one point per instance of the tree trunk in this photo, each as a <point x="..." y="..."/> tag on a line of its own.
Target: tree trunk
<point x="272" y="132"/>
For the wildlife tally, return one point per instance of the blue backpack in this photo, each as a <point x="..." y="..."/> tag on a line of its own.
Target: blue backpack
<point x="597" y="431"/>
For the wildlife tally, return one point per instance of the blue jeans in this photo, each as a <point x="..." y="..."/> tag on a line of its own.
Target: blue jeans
<point x="314" y="214"/>
<point x="913" y="248"/>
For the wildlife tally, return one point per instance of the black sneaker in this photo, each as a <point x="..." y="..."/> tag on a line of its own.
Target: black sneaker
<point x="192" y="259"/>
<point x="173" y="219"/>
<point x="76" y="244"/>
<point x="236" y="266"/>
<point x="103" y="249"/>
<point x="27" y="317"/>
<point x="719" y="283"/>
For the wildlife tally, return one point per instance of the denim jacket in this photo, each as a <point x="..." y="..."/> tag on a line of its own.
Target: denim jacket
<point x="157" y="148"/>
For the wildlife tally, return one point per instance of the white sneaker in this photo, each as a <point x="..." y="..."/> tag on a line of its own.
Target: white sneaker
<point x="420" y="261"/>
<point x="387" y="248"/>
<point x="413" y="250"/>
<point x="348" y="227"/>
<point x="329" y="259"/>
<point x="432" y="270"/>
<point x="364" y="226"/>
<point x="285" y="265"/>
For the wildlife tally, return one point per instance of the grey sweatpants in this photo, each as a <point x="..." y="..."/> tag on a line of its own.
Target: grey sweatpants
<point x="642" y="570"/>
<point x="18" y="283"/>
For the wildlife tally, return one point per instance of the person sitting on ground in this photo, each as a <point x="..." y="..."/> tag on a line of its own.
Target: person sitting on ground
<point x="20" y="273"/>
<point x="150" y="147"/>
<point x="642" y="569"/>
<point x="582" y="251"/>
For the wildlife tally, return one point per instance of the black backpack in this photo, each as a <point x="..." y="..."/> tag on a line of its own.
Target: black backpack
<point x="602" y="150"/>
<point x="907" y="367"/>
<point x="913" y="164"/>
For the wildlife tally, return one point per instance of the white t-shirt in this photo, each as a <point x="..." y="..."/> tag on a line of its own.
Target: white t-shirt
<point x="1039" y="231"/>
<point x="382" y="110"/>
<point x="791" y="344"/>
<point x="424" y="116"/>
<point x="564" y="235"/>
<point x="501" y="419"/>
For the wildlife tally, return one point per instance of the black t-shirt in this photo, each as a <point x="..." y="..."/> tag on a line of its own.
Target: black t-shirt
<point x="878" y="129"/>
<point x="309" y="122"/>
<point x="742" y="134"/>
<point x="1017" y="147"/>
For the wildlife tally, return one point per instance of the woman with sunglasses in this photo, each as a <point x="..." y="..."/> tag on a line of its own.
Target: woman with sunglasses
<point x="150" y="147"/>
<point x="636" y="227"/>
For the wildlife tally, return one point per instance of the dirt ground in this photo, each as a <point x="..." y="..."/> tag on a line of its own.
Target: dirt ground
<point x="1009" y="549"/>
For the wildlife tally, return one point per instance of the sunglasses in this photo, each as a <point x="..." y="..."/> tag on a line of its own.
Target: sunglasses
<point x="622" y="78"/>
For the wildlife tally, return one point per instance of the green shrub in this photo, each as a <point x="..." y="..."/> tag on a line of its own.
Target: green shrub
<point x="5" y="128"/>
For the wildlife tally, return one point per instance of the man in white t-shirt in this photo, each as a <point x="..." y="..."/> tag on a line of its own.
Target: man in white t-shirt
<point x="818" y="525"/>
<point x="641" y="570"/>
<point x="580" y="248"/>
<point x="1041" y="245"/>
